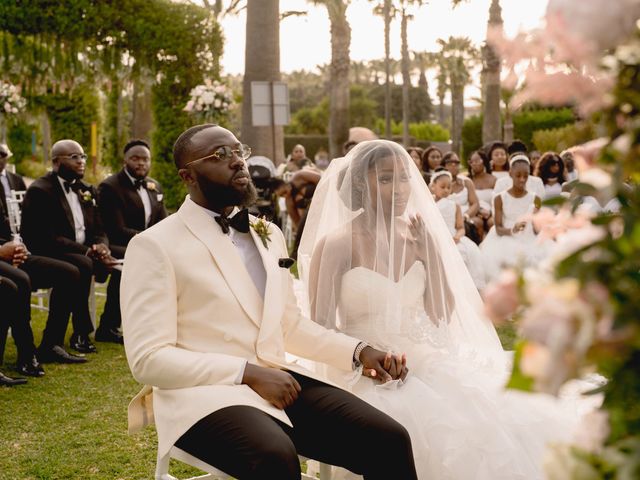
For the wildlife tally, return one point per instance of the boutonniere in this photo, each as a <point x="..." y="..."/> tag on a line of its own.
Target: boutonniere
<point x="87" y="197"/>
<point x="262" y="230"/>
<point x="151" y="186"/>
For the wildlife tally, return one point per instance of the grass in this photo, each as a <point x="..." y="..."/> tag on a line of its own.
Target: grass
<point x="72" y="423"/>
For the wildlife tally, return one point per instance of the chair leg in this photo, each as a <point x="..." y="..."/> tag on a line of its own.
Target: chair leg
<point x="92" y="303"/>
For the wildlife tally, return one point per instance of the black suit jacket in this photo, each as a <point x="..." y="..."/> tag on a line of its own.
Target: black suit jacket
<point x="121" y="208"/>
<point x="47" y="222"/>
<point x="16" y="183"/>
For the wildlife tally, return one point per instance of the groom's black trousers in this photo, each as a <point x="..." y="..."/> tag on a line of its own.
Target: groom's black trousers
<point x="329" y="425"/>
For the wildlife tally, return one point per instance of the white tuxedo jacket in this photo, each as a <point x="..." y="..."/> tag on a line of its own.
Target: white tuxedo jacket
<point x="192" y="316"/>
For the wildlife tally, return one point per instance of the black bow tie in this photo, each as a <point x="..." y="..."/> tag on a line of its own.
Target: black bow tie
<point x="140" y="183"/>
<point x="75" y="186"/>
<point x="239" y="222"/>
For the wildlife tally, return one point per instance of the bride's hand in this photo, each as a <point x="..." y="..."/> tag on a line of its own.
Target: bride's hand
<point x="417" y="229"/>
<point x="383" y="366"/>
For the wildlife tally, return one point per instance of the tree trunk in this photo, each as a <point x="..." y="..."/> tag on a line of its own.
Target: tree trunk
<point x="441" y="119"/>
<point x="406" y="80"/>
<point x="339" y="99"/>
<point x="262" y="63"/>
<point x="457" y="116"/>
<point x="508" y="126"/>
<point x="491" y="130"/>
<point x="387" y="69"/>
<point x="141" y="113"/>
<point x="46" y="136"/>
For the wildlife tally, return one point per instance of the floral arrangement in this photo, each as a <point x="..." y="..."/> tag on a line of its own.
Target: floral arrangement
<point x="209" y="102"/>
<point x="580" y="312"/>
<point x="11" y="102"/>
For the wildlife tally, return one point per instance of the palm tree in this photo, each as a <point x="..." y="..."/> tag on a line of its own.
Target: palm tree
<point x="339" y="74"/>
<point x="423" y="61"/>
<point x="406" y="77"/>
<point x="442" y="87"/>
<point x="386" y="9"/>
<point x="262" y="63"/>
<point x="491" y="130"/>
<point x="459" y="57"/>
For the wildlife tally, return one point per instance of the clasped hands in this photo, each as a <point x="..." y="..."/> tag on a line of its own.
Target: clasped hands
<point x="101" y="253"/>
<point x="281" y="389"/>
<point x="14" y="252"/>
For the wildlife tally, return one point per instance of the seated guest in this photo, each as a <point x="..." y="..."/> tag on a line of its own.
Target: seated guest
<point x="416" y="155"/>
<point x="60" y="220"/>
<point x="23" y="273"/>
<point x="8" y="181"/>
<point x="570" y="171"/>
<point x="7" y="300"/>
<point x="550" y="170"/>
<point x="534" y="184"/>
<point x="480" y="175"/>
<point x="463" y="192"/>
<point x="129" y="202"/>
<point x="499" y="159"/>
<point x="431" y="161"/>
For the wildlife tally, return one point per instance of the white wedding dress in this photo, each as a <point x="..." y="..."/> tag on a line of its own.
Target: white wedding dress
<point x="378" y="262"/>
<point x="463" y="424"/>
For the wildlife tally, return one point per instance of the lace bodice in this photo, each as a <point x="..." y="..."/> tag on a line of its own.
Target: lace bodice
<point x="384" y="312"/>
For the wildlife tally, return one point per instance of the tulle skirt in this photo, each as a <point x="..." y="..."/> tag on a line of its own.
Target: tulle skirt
<point x="464" y="424"/>
<point x="473" y="260"/>
<point x="503" y="251"/>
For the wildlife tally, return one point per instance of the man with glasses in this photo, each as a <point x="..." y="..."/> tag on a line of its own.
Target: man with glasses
<point x="208" y="311"/>
<point x="60" y="219"/>
<point x="129" y="202"/>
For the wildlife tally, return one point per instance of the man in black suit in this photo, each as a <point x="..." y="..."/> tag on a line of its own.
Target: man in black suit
<point x="129" y="202"/>
<point x="20" y="273"/>
<point x="60" y="220"/>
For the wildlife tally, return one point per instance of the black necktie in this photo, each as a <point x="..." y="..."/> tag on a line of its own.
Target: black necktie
<point x="140" y="183"/>
<point x="239" y="222"/>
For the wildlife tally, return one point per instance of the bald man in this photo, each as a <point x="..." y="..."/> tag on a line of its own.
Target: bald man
<point x="60" y="219"/>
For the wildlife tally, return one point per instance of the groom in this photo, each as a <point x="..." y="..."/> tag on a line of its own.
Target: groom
<point x="208" y="315"/>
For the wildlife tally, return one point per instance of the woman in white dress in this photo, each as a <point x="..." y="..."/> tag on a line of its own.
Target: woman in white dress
<point x="550" y="169"/>
<point x="464" y="194"/>
<point x="484" y="182"/>
<point x="512" y="241"/>
<point x="440" y="186"/>
<point x="499" y="159"/>
<point x="379" y="262"/>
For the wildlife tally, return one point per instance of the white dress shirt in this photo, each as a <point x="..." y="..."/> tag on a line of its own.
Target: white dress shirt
<point x="248" y="253"/>
<point x="5" y="184"/>
<point x="252" y="261"/>
<point x="144" y="196"/>
<point x="76" y="211"/>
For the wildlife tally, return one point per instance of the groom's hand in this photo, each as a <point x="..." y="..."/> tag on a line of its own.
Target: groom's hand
<point x="383" y="366"/>
<point x="276" y="386"/>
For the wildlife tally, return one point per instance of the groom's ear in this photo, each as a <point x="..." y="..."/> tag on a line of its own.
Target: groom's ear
<point x="286" y="262"/>
<point x="186" y="176"/>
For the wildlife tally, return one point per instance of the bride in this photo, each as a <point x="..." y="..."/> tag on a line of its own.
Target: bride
<point x="378" y="263"/>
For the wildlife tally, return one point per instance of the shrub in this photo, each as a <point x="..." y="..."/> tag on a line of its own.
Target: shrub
<point x="559" y="139"/>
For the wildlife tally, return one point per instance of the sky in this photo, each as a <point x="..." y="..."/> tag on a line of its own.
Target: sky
<point x="305" y="40"/>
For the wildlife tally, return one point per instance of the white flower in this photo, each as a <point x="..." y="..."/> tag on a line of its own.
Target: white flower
<point x="207" y="98"/>
<point x="217" y="103"/>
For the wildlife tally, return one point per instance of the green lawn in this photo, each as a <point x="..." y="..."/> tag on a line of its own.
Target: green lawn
<point x="72" y="423"/>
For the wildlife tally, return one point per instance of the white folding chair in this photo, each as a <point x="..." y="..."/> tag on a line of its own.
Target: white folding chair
<point x="14" y="205"/>
<point x="162" y="468"/>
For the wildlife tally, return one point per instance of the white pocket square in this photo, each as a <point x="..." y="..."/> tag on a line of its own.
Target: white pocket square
<point x="159" y="197"/>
